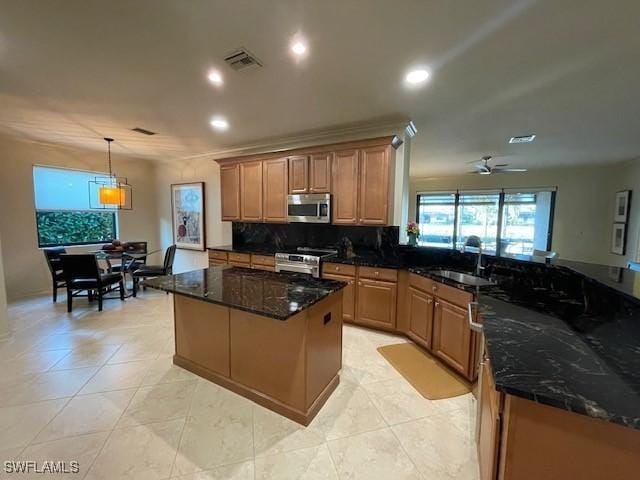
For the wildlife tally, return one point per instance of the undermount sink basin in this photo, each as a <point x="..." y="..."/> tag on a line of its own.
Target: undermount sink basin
<point x="463" y="278"/>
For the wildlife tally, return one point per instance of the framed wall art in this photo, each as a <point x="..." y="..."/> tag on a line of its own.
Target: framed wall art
<point x="619" y="238"/>
<point x="623" y="202"/>
<point x="188" y="214"/>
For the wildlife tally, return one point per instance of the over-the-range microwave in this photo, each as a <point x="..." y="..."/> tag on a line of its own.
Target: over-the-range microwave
<point x="309" y="208"/>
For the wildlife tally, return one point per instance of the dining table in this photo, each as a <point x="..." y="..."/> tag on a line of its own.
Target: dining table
<point x="127" y="260"/>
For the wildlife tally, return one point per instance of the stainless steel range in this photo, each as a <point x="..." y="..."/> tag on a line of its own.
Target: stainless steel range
<point x="303" y="260"/>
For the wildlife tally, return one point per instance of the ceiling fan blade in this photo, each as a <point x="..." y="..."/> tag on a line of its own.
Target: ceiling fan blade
<point x="500" y="165"/>
<point x="509" y="170"/>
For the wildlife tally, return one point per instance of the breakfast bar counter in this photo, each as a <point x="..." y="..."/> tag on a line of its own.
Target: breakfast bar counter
<point x="274" y="338"/>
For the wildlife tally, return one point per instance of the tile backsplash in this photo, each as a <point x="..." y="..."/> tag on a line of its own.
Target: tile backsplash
<point x="314" y="235"/>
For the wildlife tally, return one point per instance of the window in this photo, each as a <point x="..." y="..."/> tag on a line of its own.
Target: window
<point x="509" y="222"/>
<point x="436" y="219"/>
<point x="478" y="215"/>
<point x="63" y="216"/>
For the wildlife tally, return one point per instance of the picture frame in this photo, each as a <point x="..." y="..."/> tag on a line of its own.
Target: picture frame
<point x="188" y="215"/>
<point x="619" y="238"/>
<point x="622" y="204"/>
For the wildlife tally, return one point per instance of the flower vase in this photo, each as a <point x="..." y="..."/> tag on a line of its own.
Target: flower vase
<point x="413" y="240"/>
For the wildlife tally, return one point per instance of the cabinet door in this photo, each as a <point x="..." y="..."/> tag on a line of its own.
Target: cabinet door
<point x="251" y="191"/>
<point x="488" y="439"/>
<point x="299" y="174"/>
<point x="452" y="336"/>
<point x="348" y="296"/>
<point x="345" y="187"/>
<point x="275" y="189"/>
<point x="230" y="191"/>
<point x="376" y="303"/>
<point x="421" y="314"/>
<point x="374" y="186"/>
<point x="320" y="173"/>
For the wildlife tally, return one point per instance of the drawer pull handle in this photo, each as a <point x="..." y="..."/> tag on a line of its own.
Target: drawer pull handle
<point x="437" y="304"/>
<point x="434" y="288"/>
<point x="473" y="325"/>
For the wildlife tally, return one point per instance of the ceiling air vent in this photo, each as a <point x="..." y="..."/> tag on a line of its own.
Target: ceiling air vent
<point x="143" y="131"/>
<point x="523" y="139"/>
<point x="241" y="59"/>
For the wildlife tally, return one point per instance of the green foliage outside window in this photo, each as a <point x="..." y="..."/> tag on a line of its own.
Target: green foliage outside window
<point x="59" y="228"/>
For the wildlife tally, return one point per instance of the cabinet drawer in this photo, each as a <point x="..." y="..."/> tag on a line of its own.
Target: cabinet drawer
<point x="264" y="260"/>
<point x="421" y="283"/>
<point x="453" y="295"/>
<point x="386" y="274"/>
<point x="239" y="257"/>
<point x="264" y="267"/>
<point x="218" y="255"/>
<point x="338" y="268"/>
<point x="216" y="263"/>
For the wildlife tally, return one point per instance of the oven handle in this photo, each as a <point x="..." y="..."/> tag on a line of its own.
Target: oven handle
<point x="292" y="267"/>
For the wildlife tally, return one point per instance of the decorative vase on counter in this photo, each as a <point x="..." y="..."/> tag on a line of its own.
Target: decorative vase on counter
<point x="412" y="233"/>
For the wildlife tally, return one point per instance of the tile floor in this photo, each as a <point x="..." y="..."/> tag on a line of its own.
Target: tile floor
<point x="100" y="389"/>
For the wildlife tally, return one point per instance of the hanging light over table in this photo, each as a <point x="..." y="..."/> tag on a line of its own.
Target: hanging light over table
<point x="112" y="192"/>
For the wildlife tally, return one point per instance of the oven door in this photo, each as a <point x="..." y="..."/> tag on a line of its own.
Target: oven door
<point x="309" y="208"/>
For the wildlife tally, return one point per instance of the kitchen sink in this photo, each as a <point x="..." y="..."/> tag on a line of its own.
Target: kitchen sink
<point x="463" y="278"/>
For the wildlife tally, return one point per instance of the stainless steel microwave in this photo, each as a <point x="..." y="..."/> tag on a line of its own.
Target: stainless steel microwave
<point x="311" y="208"/>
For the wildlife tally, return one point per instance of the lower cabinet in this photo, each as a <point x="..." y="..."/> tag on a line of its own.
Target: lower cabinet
<point x="489" y="438"/>
<point x="376" y="303"/>
<point x="420" y="312"/>
<point x="452" y="336"/>
<point x="348" y="295"/>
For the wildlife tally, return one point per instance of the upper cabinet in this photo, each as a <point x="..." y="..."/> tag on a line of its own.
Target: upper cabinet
<point x="375" y="187"/>
<point x="310" y="173"/>
<point x="320" y="172"/>
<point x="359" y="175"/>
<point x="251" y="191"/>
<point x="230" y="191"/>
<point x="274" y="190"/>
<point x="345" y="187"/>
<point x="299" y="174"/>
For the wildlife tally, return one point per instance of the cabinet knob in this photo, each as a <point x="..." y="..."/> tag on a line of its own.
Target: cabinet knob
<point x="429" y="301"/>
<point x="337" y="269"/>
<point x="376" y="273"/>
<point x="434" y="288"/>
<point x="360" y="283"/>
<point x="437" y="304"/>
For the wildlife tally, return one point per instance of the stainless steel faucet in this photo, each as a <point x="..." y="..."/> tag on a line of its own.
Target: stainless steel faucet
<point x="475" y="242"/>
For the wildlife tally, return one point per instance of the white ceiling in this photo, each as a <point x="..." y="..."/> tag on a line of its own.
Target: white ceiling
<point x="74" y="71"/>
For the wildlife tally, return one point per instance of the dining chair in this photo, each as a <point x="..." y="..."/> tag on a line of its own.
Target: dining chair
<point x="52" y="255"/>
<point x="148" y="271"/>
<point x="128" y="263"/>
<point x="82" y="273"/>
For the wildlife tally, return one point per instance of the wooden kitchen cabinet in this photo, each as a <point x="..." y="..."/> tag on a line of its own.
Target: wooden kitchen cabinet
<point x="275" y="190"/>
<point x="251" y="191"/>
<point x="489" y="438"/>
<point x="452" y="336"/>
<point x="374" y="186"/>
<point x="348" y="296"/>
<point x="376" y="303"/>
<point x="420" y="311"/>
<point x="299" y="174"/>
<point x="320" y="172"/>
<point x="230" y="191"/>
<point x="345" y="187"/>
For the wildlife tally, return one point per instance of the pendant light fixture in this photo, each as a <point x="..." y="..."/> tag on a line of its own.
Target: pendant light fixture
<point x="112" y="192"/>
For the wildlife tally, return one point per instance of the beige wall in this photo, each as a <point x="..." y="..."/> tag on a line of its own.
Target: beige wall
<point x="218" y="232"/>
<point x="4" y="316"/>
<point x="584" y="205"/>
<point x="24" y="266"/>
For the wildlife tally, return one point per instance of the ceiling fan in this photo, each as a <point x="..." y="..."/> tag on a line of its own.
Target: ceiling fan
<point x="483" y="167"/>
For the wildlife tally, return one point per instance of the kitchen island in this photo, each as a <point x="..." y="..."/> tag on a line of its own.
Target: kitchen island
<point x="274" y="338"/>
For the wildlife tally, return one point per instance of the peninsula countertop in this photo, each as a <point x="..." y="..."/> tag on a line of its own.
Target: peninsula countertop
<point x="274" y="295"/>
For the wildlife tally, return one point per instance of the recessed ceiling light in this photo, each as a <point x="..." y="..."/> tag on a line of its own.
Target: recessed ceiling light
<point x="219" y="123"/>
<point x="417" y="76"/>
<point x="299" y="48"/>
<point x="215" y="77"/>
<point x="523" y="139"/>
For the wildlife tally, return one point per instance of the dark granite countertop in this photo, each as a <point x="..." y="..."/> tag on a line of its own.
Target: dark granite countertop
<point x="275" y="295"/>
<point x="548" y="347"/>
